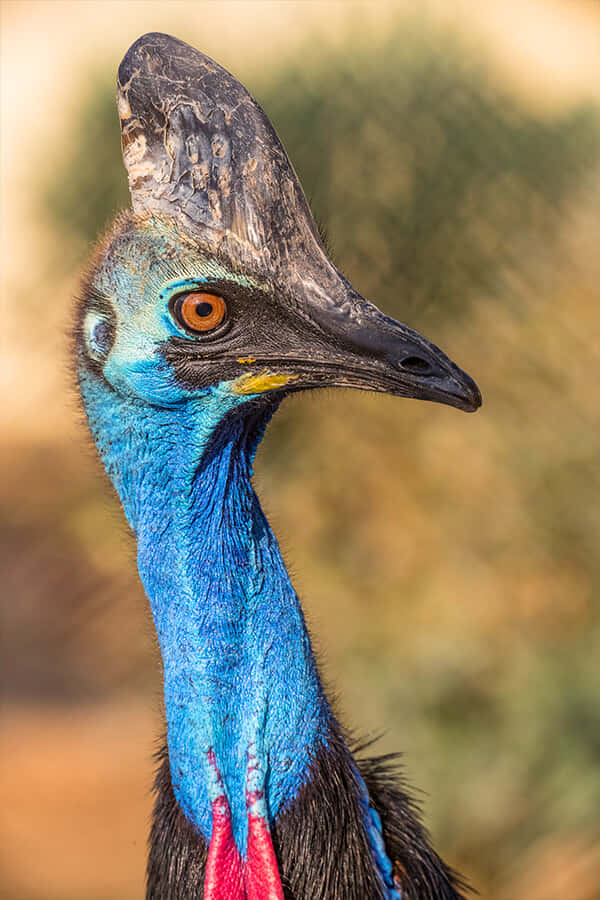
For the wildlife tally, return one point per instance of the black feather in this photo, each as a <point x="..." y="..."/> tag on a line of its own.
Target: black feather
<point x="177" y="858"/>
<point x="320" y="839"/>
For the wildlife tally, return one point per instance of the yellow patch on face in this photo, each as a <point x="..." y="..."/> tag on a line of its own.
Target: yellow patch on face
<point x="258" y="384"/>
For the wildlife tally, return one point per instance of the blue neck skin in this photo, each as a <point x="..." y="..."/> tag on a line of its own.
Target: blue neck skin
<point x="239" y="673"/>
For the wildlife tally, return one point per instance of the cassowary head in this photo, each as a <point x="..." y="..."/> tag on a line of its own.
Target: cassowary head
<point x="218" y="287"/>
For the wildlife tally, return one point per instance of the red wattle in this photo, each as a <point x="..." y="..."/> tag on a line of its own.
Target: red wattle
<point x="224" y="877"/>
<point x="228" y="876"/>
<point x="261" y="874"/>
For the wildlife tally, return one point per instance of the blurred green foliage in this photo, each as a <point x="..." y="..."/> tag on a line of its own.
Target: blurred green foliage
<point x="453" y="206"/>
<point x="427" y="175"/>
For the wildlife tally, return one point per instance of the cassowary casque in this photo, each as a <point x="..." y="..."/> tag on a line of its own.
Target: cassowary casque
<point x="202" y="309"/>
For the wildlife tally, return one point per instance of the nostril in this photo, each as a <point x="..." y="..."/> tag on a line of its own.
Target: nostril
<point x="415" y="364"/>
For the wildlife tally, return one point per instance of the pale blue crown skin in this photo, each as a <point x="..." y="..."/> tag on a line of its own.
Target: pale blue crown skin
<point x="239" y="672"/>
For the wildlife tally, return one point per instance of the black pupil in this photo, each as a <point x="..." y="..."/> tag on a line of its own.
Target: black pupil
<point x="204" y="309"/>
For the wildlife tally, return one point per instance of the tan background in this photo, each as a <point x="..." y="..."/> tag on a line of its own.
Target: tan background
<point x="425" y="543"/>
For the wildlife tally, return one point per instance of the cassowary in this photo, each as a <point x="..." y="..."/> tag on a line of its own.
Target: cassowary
<point x="202" y="309"/>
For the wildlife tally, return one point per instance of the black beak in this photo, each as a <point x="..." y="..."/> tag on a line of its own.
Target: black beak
<point x="339" y="339"/>
<point x="358" y="346"/>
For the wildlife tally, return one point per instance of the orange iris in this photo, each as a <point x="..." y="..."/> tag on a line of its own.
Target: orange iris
<point x="201" y="312"/>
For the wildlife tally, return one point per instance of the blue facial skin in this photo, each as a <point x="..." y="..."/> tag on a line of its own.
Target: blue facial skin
<point x="239" y="672"/>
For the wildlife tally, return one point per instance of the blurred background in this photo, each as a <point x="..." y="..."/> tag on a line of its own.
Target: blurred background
<point x="449" y="564"/>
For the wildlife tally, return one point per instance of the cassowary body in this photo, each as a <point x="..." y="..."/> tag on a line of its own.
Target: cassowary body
<point x="200" y="312"/>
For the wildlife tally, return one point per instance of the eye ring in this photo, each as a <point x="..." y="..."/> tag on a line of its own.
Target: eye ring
<point x="199" y="311"/>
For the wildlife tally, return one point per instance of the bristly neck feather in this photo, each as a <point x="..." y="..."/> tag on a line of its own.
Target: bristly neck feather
<point x="240" y="678"/>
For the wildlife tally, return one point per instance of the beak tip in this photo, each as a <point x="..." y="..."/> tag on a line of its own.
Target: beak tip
<point x="472" y="399"/>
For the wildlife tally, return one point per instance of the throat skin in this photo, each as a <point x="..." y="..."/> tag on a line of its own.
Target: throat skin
<point x="246" y="712"/>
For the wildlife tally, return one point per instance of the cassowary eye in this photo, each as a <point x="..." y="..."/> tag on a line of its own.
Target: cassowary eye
<point x="198" y="311"/>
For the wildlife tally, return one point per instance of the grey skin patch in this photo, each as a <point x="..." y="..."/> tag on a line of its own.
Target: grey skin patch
<point x="99" y="333"/>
